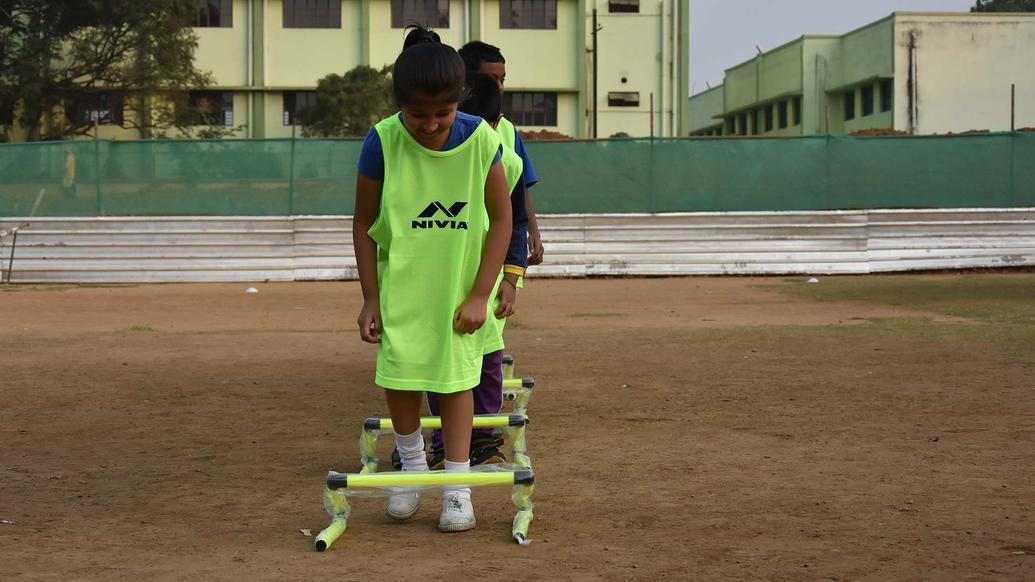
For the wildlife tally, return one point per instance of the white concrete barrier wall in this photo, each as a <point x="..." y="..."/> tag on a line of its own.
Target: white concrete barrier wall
<point x="300" y="248"/>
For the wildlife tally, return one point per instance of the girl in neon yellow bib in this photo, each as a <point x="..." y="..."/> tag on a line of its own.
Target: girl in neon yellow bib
<point x="430" y="239"/>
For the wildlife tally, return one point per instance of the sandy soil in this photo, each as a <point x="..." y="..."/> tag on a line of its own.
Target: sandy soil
<point x="682" y="429"/>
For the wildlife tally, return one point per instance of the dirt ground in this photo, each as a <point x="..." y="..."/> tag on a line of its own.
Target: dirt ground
<point x="866" y="428"/>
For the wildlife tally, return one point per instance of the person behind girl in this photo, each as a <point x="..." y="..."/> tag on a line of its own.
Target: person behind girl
<point x="481" y="57"/>
<point x="484" y="99"/>
<point x="484" y="59"/>
<point x="431" y="229"/>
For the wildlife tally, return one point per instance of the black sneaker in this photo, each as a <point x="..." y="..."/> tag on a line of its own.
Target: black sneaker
<point x="437" y="459"/>
<point x="487" y="456"/>
<point x="486" y="451"/>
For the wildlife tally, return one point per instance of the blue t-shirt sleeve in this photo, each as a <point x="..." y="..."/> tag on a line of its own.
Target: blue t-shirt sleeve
<point x="517" y="252"/>
<point x="529" y="171"/>
<point x="372" y="157"/>
<point x="498" y="158"/>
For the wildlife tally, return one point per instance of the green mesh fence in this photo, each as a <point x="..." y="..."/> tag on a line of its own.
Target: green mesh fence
<point x="304" y="176"/>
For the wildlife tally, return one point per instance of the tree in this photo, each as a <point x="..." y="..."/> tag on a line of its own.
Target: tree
<point x="348" y="105"/>
<point x="125" y="62"/>
<point x="1004" y="6"/>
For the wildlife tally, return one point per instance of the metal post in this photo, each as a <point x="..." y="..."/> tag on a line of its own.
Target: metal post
<point x="596" y="30"/>
<point x="10" y="261"/>
<point x="97" y="166"/>
<point x="652" y="199"/>
<point x="652" y="116"/>
<point x="291" y="173"/>
<point x="1013" y="106"/>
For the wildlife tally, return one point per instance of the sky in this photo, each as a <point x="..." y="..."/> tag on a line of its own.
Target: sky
<point x="723" y="33"/>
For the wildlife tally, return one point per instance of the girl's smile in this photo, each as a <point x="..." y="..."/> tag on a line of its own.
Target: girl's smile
<point x="429" y="120"/>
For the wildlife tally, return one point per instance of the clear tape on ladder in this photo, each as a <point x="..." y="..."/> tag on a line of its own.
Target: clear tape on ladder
<point x="368" y="439"/>
<point x="387" y="490"/>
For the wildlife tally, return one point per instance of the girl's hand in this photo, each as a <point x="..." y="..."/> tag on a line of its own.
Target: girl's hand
<point x="508" y="297"/>
<point x="370" y="322"/>
<point x="470" y="316"/>
<point x="535" y="248"/>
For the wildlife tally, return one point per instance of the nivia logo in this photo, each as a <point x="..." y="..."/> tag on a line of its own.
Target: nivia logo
<point x="427" y="218"/>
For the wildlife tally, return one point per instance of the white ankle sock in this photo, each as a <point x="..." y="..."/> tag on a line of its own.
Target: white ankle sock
<point x="453" y="467"/>
<point x="411" y="451"/>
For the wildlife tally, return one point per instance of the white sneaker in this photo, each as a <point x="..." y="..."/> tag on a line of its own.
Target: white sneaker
<point x="457" y="512"/>
<point x="403" y="505"/>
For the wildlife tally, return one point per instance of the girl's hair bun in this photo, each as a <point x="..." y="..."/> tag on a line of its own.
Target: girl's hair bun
<point x="420" y="34"/>
<point x="427" y="68"/>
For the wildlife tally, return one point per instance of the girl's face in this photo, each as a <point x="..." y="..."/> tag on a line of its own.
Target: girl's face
<point x="498" y="72"/>
<point x="429" y="120"/>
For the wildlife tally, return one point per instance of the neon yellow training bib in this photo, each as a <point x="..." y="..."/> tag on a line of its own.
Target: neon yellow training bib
<point x="507" y="133"/>
<point x="513" y="165"/>
<point x="430" y="232"/>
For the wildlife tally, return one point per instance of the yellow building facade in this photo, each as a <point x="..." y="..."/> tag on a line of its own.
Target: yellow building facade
<point x="271" y="58"/>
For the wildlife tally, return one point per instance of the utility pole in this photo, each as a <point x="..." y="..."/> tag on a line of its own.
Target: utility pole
<point x="596" y="101"/>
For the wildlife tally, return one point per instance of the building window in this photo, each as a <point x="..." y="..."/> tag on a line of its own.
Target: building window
<point x="743" y="122"/>
<point x="623" y="6"/>
<point x="781" y="116"/>
<point x="867" y="100"/>
<point x="850" y="105"/>
<point x="99" y="108"/>
<point x="731" y="125"/>
<point x="797" y="111"/>
<point x="294" y="102"/>
<point x="425" y="12"/>
<point x="885" y="95"/>
<point x="769" y="117"/>
<point x="213" y="107"/>
<point x="623" y="99"/>
<point x="312" y="13"/>
<point x="214" y="14"/>
<point x="756" y="122"/>
<point x="527" y="108"/>
<point x="528" y="14"/>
